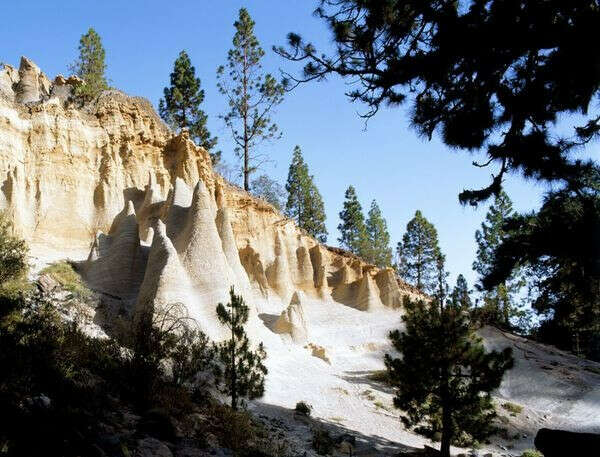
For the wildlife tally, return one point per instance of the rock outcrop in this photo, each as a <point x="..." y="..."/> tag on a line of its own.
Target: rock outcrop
<point x="292" y="321"/>
<point x="113" y="176"/>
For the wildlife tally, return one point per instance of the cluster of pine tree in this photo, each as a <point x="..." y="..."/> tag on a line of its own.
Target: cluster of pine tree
<point x="304" y="202"/>
<point x="368" y="239"/>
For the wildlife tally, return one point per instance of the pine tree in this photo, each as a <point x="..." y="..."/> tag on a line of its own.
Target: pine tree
<point x="378" y="249"/>
<point x="251" y="95"/>
<point x="241" y="373"/>
<point x="353" y="231"/>
<point x="498" y="304"/>
<point x="479" y="89"/>
<point x="461" y="293"/>
<point x="180" y="107"/>
<point x="90" y="66"/>
<point x="419" y="252"/>
<point x="304" y="203"/>
<point x="449" y="389"/>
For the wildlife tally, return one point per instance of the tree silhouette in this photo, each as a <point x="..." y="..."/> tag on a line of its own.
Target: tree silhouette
<point x="489" y="75"/>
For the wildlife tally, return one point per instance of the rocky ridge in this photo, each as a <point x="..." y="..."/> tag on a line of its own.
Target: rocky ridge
<point x="112" y="175"/>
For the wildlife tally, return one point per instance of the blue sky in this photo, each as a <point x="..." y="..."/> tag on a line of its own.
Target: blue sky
<point x="386" y="162"/>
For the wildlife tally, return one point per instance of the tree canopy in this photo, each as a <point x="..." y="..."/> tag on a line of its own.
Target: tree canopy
<point x="241" y="373"/>
<point x="499" y="304"/>
<point x="562" y="255"/>
<point x="489" y="75"/>
<point x="266" y="187"/>
<point x="304" y="202"/>
<point x="419" y="254"/>
<point x="448" y="389"/>
<point x="90" y="66"/>
<point x="353" y="231"/>
<point x="251" y="95"/>
<point x="180" y="107"/>
<point x="378" y="250"/>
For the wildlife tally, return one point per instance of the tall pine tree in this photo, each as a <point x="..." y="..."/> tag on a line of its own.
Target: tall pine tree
<point x="378" y="250"/>
<point x="90" y="66"/>
<point x="353" y="231"/>
<point x="180" y="107"/>
<point x="461" y="295"/>
<point x="251" y="95"/>
<point x="419" y="253"/>
<point x="304" y="202"/>
<point x="451" y="389"/>
<point x="241" y="373"/>
<point x="448" y="389"/>
<point x="499" y="304"/>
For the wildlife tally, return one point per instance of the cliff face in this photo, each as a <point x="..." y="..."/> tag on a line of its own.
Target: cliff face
<point x="161" y="224"/>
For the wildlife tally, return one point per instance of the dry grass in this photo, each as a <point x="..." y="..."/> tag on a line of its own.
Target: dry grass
<point x="512" y="408"/>
<point x="63" y="273"/>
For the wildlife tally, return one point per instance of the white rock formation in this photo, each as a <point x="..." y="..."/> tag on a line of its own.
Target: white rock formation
<point x="73" y="178"/>
<point x="98" y="176"/>
<point x="116" y="263"/>
<point x="292" y="322"/>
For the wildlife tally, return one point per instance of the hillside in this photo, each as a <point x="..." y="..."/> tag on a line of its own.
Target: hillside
<point x="149" y="223"/>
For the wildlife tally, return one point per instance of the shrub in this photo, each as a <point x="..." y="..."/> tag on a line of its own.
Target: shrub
<point x="234" y="429"/>
<point x="531" y="453"/>
<point x="13" y="252"/>
<point x="381" y="376"/>
<point x="303" y="408"/>
<point x="167" y="350"/>
<point x="512" y="408"/>
<point x="322" y="441"/>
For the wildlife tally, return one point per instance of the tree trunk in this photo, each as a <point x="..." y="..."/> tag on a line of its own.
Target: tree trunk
<point x="245" y="116"/>
<point x="233" y="364"/>
<point x="445" y="399"/>
<point x="246" y="172"/>
<point x="446" y="427"/>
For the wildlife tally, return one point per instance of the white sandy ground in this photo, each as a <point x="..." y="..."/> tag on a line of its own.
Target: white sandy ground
<point x="555" y="389"/>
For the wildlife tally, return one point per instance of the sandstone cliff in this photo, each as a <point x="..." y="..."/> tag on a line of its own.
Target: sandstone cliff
<point x="110" y="179"/>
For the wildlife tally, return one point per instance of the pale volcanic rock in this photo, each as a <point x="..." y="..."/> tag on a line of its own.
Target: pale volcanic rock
<point x="88" y="182"/>
<point x="120" y="271"/>
<point x="165" y="280"/>
<point x="304" y="273"/>
<point x="278" y="273"/>
<point x="9" y="77"/>
<point x="389" y="290"/>
<point x="230" y="249"/>
<point x="368" y="294"/>
<point x="176" y="207"/>
<point x="292" y="321"/>
<point x="251" y="262"/>
<point x="33" y="84"/>
<point x="150" y="209"/>
<point x="67" y="173"/>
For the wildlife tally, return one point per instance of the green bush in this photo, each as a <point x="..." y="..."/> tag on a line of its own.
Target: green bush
<point x="303" y="408"/>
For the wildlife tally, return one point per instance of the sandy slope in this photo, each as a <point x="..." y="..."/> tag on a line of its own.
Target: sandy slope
<point x="556" y="389"/>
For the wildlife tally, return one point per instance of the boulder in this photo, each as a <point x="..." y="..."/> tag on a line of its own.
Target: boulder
<point x="151" y="447"/>
<point x="560" y="443"/>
